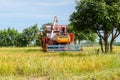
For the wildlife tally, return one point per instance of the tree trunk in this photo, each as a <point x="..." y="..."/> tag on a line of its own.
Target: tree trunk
<point x="112" y="39"/>
<point x="111" y="48"/>
<point x="101" y="44"/>
<point x="111" y="44"/>
<point x="106" y="45"/>
<point x="114" y="35"/>
<point x="79" y="41"/>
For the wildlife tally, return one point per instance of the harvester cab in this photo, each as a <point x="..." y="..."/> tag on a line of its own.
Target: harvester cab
<point x="58" y="38"/>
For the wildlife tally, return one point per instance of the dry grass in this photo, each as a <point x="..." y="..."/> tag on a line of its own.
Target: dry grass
<point x="31" y="63"/>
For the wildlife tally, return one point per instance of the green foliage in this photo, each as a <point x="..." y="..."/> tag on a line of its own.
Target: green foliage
<point x="8" y="37"/>
<point x="99" y="16"/>
<point x="93" y="13"/>
<point x="81" y="35"/>
<point x="11" y="37"/>
<point x="29" y="35"/>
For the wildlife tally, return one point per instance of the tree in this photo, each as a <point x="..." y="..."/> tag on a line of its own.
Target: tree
<point x="38" y="43"/>
<point x="35" y="33"/>
<point x="30" y="35"/>
<point x="8" y="37"/>
<point x="12" y="36"/>
<point x="101" y="17"/>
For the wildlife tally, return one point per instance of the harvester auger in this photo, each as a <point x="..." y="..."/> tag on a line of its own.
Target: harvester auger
<point x="58" y="39"/>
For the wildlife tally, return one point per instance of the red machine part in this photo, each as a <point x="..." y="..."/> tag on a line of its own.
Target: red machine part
<point x="57" y="28"/>
<point x="71" y="37"/>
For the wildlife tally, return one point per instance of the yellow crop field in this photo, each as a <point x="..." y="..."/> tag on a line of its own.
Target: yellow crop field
<point x="30" y="63"/>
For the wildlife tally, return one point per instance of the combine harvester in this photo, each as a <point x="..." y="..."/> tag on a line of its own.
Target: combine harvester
<point x="58" y="39"/>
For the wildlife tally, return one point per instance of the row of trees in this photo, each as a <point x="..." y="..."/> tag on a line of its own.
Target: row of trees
<point x="11" y="37"/>
<point x="30" y="36"/>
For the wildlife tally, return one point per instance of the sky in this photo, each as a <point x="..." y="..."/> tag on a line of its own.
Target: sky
<point x="20" y="14"/>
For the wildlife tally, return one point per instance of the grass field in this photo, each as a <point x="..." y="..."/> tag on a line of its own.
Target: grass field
<point x="32" y="64"/>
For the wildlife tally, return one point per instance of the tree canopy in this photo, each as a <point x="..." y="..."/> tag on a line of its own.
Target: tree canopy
<point x="11" y="37"/>
<point x="99" y="16"/>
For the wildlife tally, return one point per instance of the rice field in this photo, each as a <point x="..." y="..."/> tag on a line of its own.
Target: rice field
<point x="30" y="63"/>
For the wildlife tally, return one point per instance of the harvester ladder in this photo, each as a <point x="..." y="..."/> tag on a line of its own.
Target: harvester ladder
<point x="55" y="23"/>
